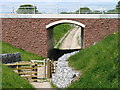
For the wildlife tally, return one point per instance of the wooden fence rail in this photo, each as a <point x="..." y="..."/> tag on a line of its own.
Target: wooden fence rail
<point x="31" y="71"/>
<point x="27" y="70"/>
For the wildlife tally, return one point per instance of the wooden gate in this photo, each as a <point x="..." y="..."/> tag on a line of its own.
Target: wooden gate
<point x="49" y="67"/>
<point x="27" y="70"/>
<point x="35" y="70"/>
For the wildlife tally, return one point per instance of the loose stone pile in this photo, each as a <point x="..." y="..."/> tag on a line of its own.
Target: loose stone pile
<point x="10" y="58"/>
<point x="64" y="74"/>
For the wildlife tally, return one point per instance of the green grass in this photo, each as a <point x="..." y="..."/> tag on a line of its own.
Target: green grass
<point x="25" y="56"/>
<point x="9" y="78"/>
<point x="12" y="80"/>
<point x="98" y="64"/>
<point x="60" y="31"/>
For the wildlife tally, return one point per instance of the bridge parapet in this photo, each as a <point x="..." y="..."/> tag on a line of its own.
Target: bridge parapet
<point x="29" y="32"/>
<point x="94" y="16"/>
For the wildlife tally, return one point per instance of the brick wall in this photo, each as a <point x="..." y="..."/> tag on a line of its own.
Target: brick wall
<point x="31" y="34"/>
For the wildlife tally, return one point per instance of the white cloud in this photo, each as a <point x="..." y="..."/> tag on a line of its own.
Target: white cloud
<point x="50" y="5"/>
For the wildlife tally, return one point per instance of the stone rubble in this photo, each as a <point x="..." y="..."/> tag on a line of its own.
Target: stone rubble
<point x="64" y="74"/>
<point x="10" y="58"/>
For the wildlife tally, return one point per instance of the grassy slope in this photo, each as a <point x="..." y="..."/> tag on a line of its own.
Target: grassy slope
<point x="12" y="80"/>
<point x="98" y="64"/>
<point x="26" y="56"/>
<point x="60" y="31"/>
<point x="9" y="78"/>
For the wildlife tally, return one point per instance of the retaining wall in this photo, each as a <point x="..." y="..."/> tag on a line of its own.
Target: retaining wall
<point x="31" y="34"/>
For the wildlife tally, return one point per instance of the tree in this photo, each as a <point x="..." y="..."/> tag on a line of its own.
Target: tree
<point x="111" y="11"/>
<point x="27" y="9"/>
<point x="114" y="11"/>
<point x="84" y="10"/>
<point x="96" y="12"/>
<point x="66" y="13"/>
<point x="118" y="7"/>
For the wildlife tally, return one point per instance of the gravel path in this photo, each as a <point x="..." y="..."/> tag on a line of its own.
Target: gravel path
<point x="64" y="74"/>
<point x="41" y="85"/>
<point x="41" y="74"/>
<point x="72" y="40"/>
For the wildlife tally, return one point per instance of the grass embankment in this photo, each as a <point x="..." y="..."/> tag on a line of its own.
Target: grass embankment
<point x="9" y="78"/>
<point x="60" y="31"/>
<point x="12" y="80"/>
<point x="25" y="56"/>
<point x="98" y="64"/>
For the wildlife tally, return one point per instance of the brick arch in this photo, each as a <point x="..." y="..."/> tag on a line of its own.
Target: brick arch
<point x="31" y="34"/>
<point x="50" y="33"/>
<point x="65" y="21"/>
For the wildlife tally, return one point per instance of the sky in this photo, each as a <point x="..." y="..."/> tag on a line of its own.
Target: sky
<point x="58" y="0"/>
<point x="55" y="6"/>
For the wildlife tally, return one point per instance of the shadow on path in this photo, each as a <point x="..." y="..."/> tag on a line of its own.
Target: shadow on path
<point x="56" y="53"/>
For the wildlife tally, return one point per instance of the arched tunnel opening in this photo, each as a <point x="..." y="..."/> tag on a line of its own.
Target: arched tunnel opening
<point x="72" y="39"/>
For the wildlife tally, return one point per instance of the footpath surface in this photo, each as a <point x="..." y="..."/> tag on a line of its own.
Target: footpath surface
<point x="41" y="85"/>
<point x="72" y="41"/>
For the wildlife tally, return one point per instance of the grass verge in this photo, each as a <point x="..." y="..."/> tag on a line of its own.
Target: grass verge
<point x="12" y="80"/>
<point x="98" y="64"/>
<point x="25" y="56"/>
<point x="9" y="78"/>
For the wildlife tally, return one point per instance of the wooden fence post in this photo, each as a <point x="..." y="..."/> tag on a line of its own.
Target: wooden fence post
<point x="35" y="70"/>
<point x="52" y="67"/>
<point x="18" y="66"/>
<point x="48" y="69"/>
<point x="45" y="67"/>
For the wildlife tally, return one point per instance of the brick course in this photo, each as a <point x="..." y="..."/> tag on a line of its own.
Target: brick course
<point x="30" y="34"/>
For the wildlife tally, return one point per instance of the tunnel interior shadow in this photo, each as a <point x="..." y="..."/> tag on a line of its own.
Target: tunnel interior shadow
<point x="57" y="53"/>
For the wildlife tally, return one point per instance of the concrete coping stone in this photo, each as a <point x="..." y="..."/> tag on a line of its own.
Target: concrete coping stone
<point x="94" y="16"/>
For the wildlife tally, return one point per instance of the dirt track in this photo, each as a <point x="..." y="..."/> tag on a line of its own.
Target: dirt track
<point x="72" y="40"/>
<point x="41" y="85"/>
<point x="41" y="74"/>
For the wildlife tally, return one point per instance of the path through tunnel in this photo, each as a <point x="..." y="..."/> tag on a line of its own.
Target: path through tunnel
<point x="64" y="36"/>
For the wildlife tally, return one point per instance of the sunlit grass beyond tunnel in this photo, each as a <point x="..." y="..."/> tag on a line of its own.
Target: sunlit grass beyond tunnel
<point x="60" y="31"/>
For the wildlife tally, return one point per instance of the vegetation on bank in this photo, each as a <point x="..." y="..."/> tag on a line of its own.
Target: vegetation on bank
<point x="25" y="56"/>
<point x="9" y="78"/>
<point x="98" y="64"/>
<point x="87" y="10"/>
<point x="12" y="80"/>
<point x="60" y="31"/>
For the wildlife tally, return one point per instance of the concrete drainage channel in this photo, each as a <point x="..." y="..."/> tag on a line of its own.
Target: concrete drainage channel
<point x="64" y="74"/>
